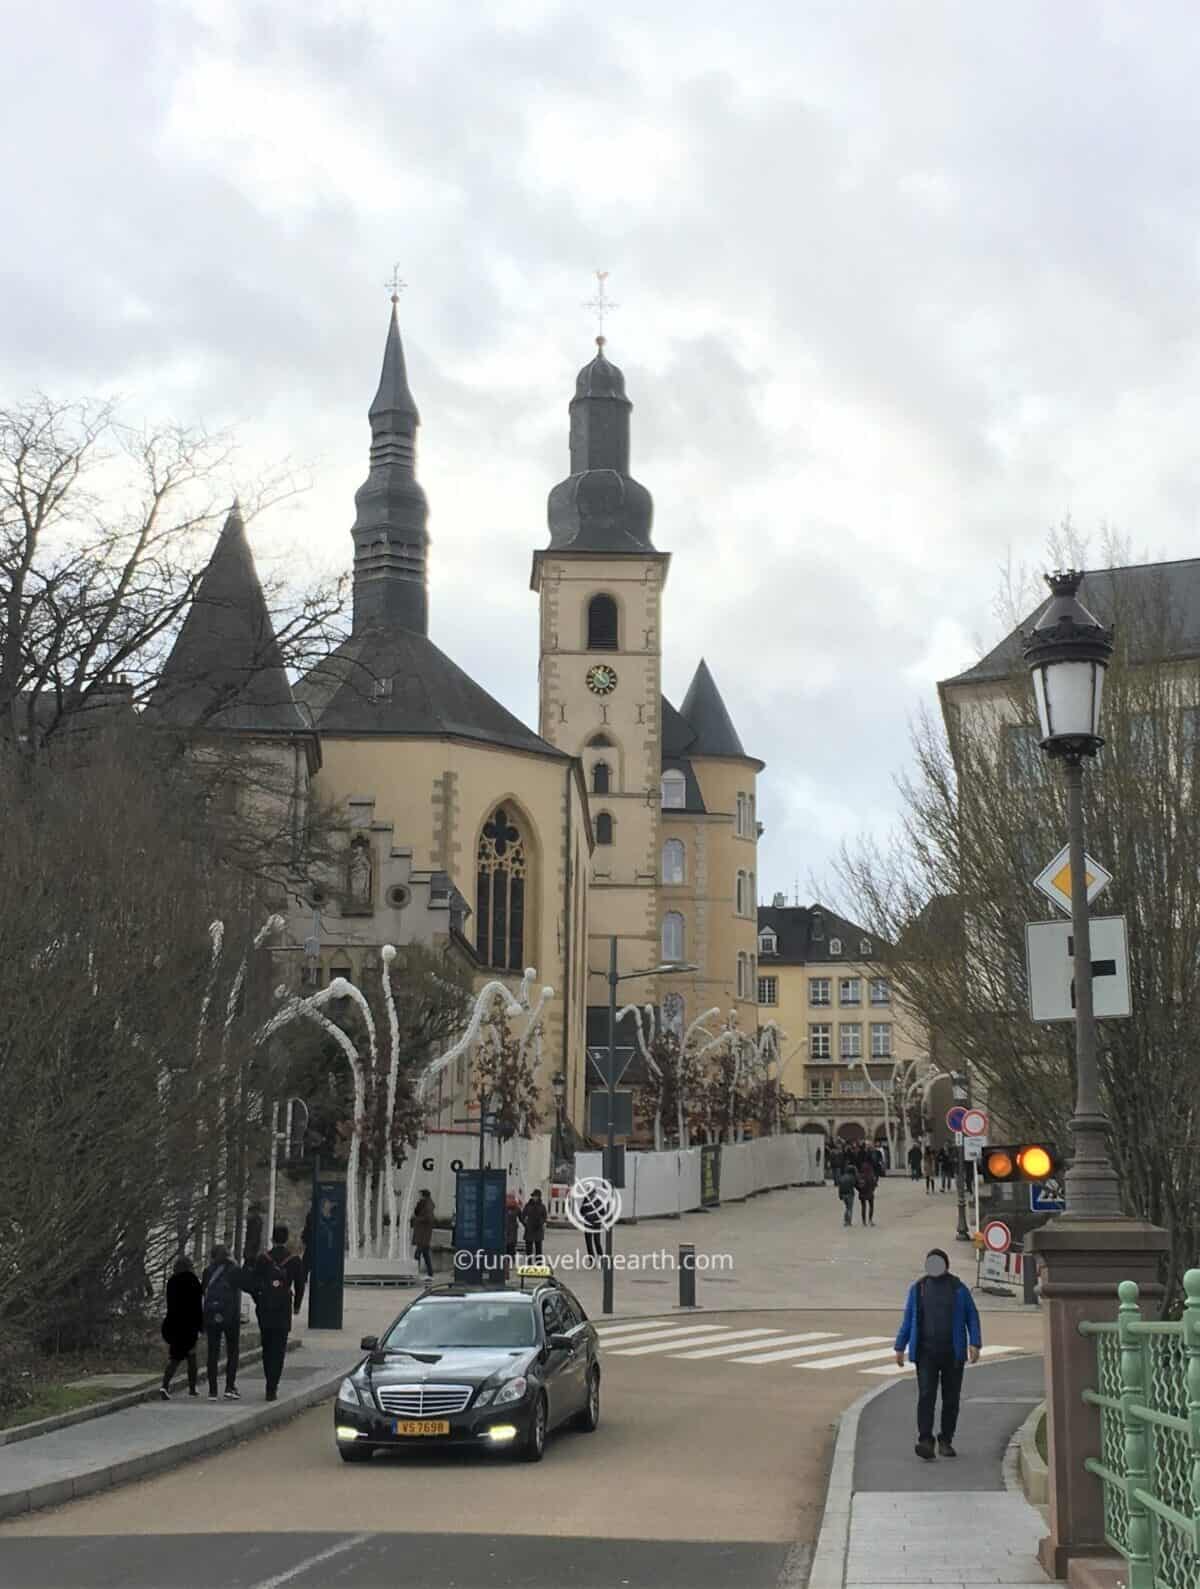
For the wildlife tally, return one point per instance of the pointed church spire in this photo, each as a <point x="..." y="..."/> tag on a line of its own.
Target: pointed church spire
<point x="390" y="539"/>
<point x="709" y="717"/>
<point x="226" y="670"/>
<point x="600" y="507"/>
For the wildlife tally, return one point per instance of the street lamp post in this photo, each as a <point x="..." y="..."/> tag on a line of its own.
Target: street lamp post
<point x="1067" y="653"/>
<point x="960" y="1086"/>
<point x="666" y="969"/>
<point x="558" y="1083"/>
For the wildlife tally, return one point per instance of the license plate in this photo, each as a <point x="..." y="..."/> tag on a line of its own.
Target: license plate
<point x="421" y="1426"/>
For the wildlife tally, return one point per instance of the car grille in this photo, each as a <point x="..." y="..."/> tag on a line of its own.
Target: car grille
<point x="424" y="1401"/>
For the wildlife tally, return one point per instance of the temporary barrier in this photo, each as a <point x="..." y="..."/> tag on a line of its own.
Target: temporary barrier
<point x="670" y="1183"/>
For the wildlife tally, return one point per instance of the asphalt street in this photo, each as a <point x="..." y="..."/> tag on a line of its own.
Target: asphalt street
<point x="709" y="1467"/>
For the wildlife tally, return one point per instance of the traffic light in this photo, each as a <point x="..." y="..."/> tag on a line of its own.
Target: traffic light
<point x="1021" y="1161"/>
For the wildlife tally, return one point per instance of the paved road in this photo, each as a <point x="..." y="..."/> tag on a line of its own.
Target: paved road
<point x="709" y="1465"/>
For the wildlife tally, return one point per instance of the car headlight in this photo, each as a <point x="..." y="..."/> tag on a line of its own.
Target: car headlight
<point x="511" y="1390"/>
<point x="348" y="1391"/>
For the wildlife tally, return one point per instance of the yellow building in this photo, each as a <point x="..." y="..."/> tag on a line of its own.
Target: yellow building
<point x="622" y="817"/>
<point x="846" y="1041"/>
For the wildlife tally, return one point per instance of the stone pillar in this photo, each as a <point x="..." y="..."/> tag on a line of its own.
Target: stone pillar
<point x="1081" y="1262"/>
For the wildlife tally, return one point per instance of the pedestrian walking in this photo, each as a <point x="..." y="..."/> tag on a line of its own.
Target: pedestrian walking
<point x="847" y="1186"/>
<point x="512" y="1226"/>
<point x="865" y="1184"/>
<point x="533" y="1217"/>
<point x="943" y="1168"/>
<point x="950" y="1168"/>
<point x="182" y="1325"/>
<point x="591" y="1213"/>
<point x="222" y="1286"/>
<point x="422" y="1231"/>
<point x="273" y="1304"/>
<point x="929" y="1164"/>
<point x="281" y="1253"/>
<point x="940" y="1331"/>
<point x="914" y="1161"/>
<point x="252" y="1240"/>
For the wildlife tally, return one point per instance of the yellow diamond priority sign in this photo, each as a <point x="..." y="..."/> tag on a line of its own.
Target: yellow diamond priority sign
<point x="1055" y="880"/>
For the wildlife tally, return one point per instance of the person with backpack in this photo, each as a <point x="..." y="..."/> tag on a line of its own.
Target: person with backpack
<point x="222" y="1283"/>
<point x="277" y="1275"/>
<point x="846" y="1185"/>
<point x="941" y="1332"/>
<point x="865" y="1183"/>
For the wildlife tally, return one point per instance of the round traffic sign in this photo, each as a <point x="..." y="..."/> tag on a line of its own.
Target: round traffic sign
<point x="996" y="1236"/>
<point x="954" y="1118"/>
<point x="974" y="1123"/>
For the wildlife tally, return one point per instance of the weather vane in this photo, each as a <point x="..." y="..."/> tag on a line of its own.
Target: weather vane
<point x="601" y="305"/>
<point x="395" y="285"/>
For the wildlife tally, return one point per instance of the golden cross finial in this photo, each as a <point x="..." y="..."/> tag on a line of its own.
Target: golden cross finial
<point x="395" y="284"/>
<point x="601" y="305"/>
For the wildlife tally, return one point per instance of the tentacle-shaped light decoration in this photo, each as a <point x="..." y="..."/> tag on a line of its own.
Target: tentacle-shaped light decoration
<point x="386" y="956"/>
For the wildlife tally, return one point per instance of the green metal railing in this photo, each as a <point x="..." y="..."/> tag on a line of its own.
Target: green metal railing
<point x="1148" y="1375"/>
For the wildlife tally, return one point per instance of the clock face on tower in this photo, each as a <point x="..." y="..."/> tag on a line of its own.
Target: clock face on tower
<point x="601" y="679"/>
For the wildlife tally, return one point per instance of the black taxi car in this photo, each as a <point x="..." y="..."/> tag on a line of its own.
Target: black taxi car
<point x="490" y="1366"/>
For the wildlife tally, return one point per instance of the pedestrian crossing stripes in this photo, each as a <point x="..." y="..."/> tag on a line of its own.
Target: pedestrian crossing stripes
<point x="816" y="1351"/>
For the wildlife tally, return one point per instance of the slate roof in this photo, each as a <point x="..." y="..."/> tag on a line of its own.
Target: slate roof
<point x="1166" y="594"/>
<point x="677" y="735"/>
<point x="396" y="681"/>
<point x="709" y="717"/>
<point x="226" y="670"/>
<point x="793" y="926"/>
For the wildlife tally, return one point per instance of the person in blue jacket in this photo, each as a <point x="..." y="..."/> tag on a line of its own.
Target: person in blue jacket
<point x="940" y="1331"/>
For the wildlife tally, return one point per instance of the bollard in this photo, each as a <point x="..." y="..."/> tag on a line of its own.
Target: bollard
<point x="687" y="1274"/>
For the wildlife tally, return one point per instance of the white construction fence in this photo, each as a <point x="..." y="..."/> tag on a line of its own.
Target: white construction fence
<point x="676" y="1182"/>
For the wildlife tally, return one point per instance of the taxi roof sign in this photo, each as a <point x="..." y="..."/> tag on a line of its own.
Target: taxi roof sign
<point x="534" y="1271"/>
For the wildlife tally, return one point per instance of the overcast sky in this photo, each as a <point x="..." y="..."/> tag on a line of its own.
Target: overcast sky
<point x="901" y="285"/>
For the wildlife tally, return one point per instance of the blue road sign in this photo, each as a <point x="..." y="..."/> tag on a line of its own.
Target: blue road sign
<point x="1047" y="1197"/>
<point x="954" y="1117"/>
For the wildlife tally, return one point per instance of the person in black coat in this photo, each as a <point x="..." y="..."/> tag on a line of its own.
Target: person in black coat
<point x="182" y="1325"/>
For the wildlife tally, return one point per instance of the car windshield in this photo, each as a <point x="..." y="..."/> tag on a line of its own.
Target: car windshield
<point x="466" y="1321"/>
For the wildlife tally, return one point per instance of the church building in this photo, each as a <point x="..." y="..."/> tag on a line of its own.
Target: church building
<point x="622" y="817"/>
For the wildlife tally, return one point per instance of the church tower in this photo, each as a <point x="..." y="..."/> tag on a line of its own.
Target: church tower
<point x="600" y="584"/>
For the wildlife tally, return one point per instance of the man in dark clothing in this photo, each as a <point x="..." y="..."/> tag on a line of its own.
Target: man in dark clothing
<point x="287" y="1260"/>
<point x="846" y="1185"/>
<point x="222" y="1282"/>
<point x="941" y="1332"/>
<point x="533" y="1217"/>
<point x="276" y="1276"/>
<point x="914" y="1162"/>
<point x="868" y="1180"/>
<point x="592" y="1215"/>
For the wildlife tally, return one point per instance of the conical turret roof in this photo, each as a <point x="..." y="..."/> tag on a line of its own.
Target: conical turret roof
<point x="226" y="669"/>
<point x="709" y="718"/>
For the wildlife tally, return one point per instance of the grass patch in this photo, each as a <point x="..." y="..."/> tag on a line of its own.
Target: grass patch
<point x="1039" y="1439"/>
<point x="50" y="1399"/>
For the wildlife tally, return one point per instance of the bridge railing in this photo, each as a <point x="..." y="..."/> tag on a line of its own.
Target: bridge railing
<point x="1148" y="1393"/>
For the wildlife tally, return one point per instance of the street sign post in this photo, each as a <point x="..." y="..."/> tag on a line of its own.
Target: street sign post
<point x="1047" y="1197"/>
<point x="1049" y="949"/>
<point x="621" y="1059"/>
<point x="996" y="1236"/>
<point x="973" y="1148"/>
<point x="974" y="1123"/>
<point x="954" y="1118"/>
<point x="1055" y="880"/>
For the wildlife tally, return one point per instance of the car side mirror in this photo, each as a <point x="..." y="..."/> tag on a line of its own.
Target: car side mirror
<point x="369" y="1343"/>
<point x="561" y="1343"/>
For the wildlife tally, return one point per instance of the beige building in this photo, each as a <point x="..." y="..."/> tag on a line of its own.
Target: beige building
<point x="846" y="1038"/>
<point x="621" y="817"/>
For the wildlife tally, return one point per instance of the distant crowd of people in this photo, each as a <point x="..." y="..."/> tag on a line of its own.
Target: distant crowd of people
<point x="857" y="1170"/>
<point x="939" y="1167"/>
<point x="210" y="1305"/>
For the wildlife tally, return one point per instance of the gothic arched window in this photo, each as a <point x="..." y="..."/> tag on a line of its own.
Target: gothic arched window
<point x="502" y="869"/>
<point x="673" y="861"/>
<point x="601" y="777"/>
<point x="602" y="624"/>
<point x="604" y="828"/>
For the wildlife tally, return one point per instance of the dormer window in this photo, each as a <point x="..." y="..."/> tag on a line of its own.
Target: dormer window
<point x="674" y="791"/>
<point x="818" y="925"/>
<point x="768" y="943"/>
<point x="864" y="947"/>
<point x="835" y="946"/>
<point x="382" y="690"/>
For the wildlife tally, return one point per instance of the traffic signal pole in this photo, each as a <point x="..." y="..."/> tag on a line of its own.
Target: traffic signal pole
<point x="961" y="1083"/>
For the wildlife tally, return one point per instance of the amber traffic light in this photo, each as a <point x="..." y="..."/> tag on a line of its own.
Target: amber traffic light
<point x="1021" y="1161"/>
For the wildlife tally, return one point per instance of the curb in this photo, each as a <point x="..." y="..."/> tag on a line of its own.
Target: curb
<point x="106" y="1404"/>
<point x="1024" y="1470"/>
<point x="833" y="1537"/>
<point x="55" y="1491"/>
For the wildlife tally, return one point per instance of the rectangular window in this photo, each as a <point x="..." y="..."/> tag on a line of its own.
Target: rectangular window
<point x="768" y="990"/>
<point x="818" y="1040"/>
<point x="818" y="990"/>
<point x="881" y="992"/>
<point x="850" y="990"/>
<point x="742" y="823"/>
<point x="852" y="1087"/>
<point x="881" y="1040"/>
<point x="850" y="1040"/>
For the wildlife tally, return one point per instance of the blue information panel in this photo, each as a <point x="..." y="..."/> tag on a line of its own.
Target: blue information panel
<point x="1047" y="1197"/>
<point x="479" y="1222"/>
<point x="327" y="1250"/>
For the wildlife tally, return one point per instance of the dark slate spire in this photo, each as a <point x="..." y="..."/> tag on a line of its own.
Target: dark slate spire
<point x="600" y="507"/>
<point x="225" y="670"/>
<point x="709" y="717"/>
<point x="390" y="540"/>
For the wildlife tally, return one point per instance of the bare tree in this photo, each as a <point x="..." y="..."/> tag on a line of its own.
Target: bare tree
<point x="983" y="810"/>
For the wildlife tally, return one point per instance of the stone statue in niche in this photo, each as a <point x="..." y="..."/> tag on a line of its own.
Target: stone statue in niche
<point x="358" y="892"/>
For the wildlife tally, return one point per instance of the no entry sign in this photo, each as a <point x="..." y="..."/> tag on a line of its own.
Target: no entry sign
<point x="996" y="1236"/>
<point x="974" y="1123"/>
